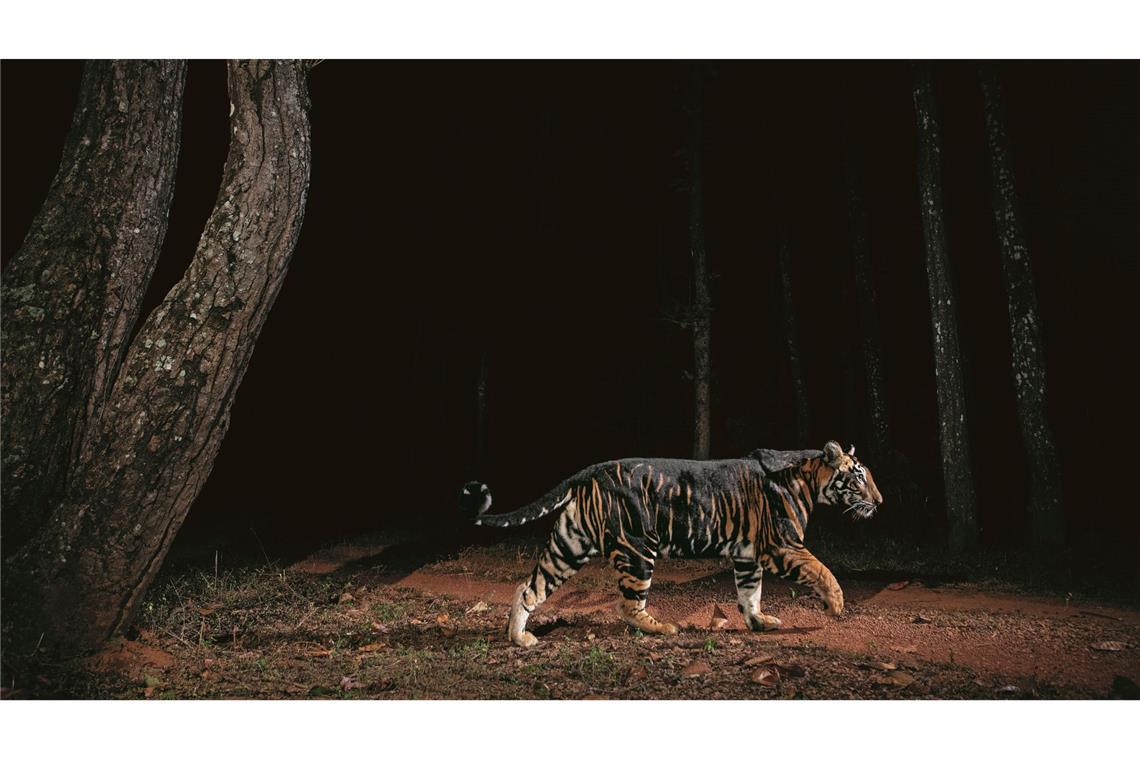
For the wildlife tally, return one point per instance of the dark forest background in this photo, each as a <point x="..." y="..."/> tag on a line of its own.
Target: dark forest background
<point x="531" y="218"/>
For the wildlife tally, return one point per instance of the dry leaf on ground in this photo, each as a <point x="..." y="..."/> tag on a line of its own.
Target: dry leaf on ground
<point x="898" y="586"/>
<point x="479" y="606"/>
<point x="696" y="668"/>
<point x="1109" y="646"/>
<point x="719" y="618"/>
<point x="635" y="674"/>
<point x="898" y="678"/>
<point x="766" y="676"/>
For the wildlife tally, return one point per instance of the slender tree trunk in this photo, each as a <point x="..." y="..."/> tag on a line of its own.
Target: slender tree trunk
<point x="147" y="453"/>
<point x="73" y="291"/>
<point x="702" y="301"/>
<point x="1025" y="331"/>
<point x="482" y="407"/>
<point x="957" y="473"/>
<point x="791" y="327"/>
<point x="865" y="297"/>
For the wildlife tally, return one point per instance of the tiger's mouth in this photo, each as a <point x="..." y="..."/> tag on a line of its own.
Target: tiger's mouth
<point x="861" y="510"/>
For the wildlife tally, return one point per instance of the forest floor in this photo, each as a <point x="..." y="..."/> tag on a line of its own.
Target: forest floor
<point x="387" y="620"/>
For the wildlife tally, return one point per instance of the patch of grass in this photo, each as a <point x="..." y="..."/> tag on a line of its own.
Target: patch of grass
<point x="598" y="667"/>
<point x="710" y="644"/>
<point x="475" y="650"/>
<point x="390" y="612"/>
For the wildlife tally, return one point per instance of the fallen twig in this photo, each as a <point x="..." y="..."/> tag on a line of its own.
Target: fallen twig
<point x="1090" y="613"/>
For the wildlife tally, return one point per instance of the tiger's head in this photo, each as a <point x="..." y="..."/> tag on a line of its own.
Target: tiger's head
<point x="849" y="484"/>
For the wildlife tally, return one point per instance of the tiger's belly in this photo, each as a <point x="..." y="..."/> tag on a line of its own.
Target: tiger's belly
<point x="695" y="532"/>
<point x="704" y="550"/>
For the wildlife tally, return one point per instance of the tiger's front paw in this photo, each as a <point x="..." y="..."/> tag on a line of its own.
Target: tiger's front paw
<point x="833" y="604"/>
<point x="526" y="639"/>
<point x="763" y="622"/>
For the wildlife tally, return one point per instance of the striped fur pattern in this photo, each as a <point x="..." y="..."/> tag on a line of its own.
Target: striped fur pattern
<point x="635" y="511"/>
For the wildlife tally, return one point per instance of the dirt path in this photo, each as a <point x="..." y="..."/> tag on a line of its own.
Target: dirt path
<point x="1002" y="636"/>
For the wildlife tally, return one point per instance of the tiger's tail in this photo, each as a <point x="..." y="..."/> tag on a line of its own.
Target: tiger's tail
<point x="475" y="500"/>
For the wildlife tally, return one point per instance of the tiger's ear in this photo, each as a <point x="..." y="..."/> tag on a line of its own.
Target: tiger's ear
<point x="832" y="452"/>
<point x="851" y="451"/>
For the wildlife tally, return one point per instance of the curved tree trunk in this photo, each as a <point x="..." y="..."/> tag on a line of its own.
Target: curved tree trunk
<point x="957" y="472"/>
<point x="142" y="462"/>
<point x="702" y="300"/>
<point x="1028" y="358"/>
<point x="73" y="292"/>
<point x="865" y="297"/>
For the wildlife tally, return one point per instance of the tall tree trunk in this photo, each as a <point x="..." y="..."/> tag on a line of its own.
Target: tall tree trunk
<point x="1025" y="331"/>
<point x="791" y="326"/>
<point x="73" y="292"/>
<point x="149" y="449"/>
<point x="482" y="407"/>
<point x="702" y="301"/>
<point x="865" y="296"/>
<point x="957" y="472"/>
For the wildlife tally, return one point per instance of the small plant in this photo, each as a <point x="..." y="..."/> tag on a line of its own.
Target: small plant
<point x="710" y="644"/>
<point x="598" y="667"/>
<point x="389" y="612"/>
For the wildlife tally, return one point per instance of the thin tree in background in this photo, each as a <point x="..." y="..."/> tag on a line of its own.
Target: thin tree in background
<point x="702" y="300"/>
<point x="957" y="473"/>
<point x="143" y="445"/>
<point x="482" y="407"/>
<point x="791" y="324"/>
<point x="73" y="291"/>
<point x="865" y="295"/>
<point x="1024" y="324"/>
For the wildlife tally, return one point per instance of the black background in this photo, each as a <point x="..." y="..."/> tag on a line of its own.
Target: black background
<point x="539" y="209"/>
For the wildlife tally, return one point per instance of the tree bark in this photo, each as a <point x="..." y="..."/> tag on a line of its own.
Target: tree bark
<point x="72" y="293"/>
<point x="702" y="300"/>
<point x="957" y="472"/>
<point x="1028" y="361"/>
<point x="143" y="460"/>
<point x="791" y="327"/>
<point x="865" y="297"/>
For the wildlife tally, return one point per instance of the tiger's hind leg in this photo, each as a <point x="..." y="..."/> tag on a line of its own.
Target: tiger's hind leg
<point x="635" y="568"/>
<point x="568" y="550"/>
<point x="749" y="576"/>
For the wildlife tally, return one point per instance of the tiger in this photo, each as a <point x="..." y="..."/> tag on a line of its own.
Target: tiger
<point x="635" y="511"/>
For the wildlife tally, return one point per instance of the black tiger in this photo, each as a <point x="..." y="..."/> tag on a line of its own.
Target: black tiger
<point x="634" y="511"/>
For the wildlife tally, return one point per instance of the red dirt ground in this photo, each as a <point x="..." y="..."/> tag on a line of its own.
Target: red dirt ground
<point x="385" y="621"/>
<point x="1003" y="636"/>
